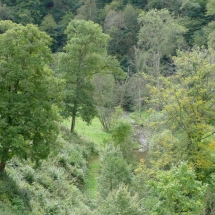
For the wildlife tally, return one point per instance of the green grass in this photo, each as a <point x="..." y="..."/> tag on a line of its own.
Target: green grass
<point x="91" y="183"/>
<point x="93" y="132"/>
<point x="139" y="120"/>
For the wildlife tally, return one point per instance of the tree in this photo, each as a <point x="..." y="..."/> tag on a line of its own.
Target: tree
<point x="159" y="37"/>
<point x="137" y="90"/>
<point x="5" y="12"/>
<point x="120" y="201"/>
<point x="28" y="127"/>
<point x="29" y="10"/>
<point x="85" y="55"/>
<point x="49" y="25"/>
<point x="102" y="3"/>
<point x="121" y="133"/>
<point x="122" y="26"/>
<point x="187" y="101"/>
<point x="164" y="150"/>
<point x="210" y="7"/>
<point x="114" y="171"/>
<point x="176" y="191"/>
<point x="105" y="97"/>
<point x="88" y="10"/>
<point x="190" y="8"/>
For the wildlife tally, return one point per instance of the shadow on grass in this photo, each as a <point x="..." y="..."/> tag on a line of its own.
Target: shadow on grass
<point x="13" y="199"/>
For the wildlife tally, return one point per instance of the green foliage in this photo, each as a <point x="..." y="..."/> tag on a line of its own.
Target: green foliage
<point x="101" y="3"/>
<point x="114" y="170"/>
<point x="210" y="196"/>
<point x="30" y="11"/>
<point x="122" y="26"/>
<point x="5" y="12"/>
<point x="121" y="133"/>
<point x="120" y="201"/>
<point x="163" y="150"/>
<point x="193" y="27"/>
<point x="191" y="8"/>
<point x="186" y="102"/>
<point x="158" y="38"/>
<point x="91" y="182"/>
<point x="210" y="29"/>
<point x="88" y="10"/>
<point x="29" y="91"/>
<point x="53" y="187"/>
<point x="182" y="125"/>
<point x="48" y="25"/>
<point x="13" y="200"/>
<point x="176" y="192"/>
<point x="210" y="7"/>
<point x="105" y="97"/>
<point x="87" y="42"/>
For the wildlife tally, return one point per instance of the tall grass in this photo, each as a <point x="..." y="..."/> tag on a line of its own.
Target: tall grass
<point x="93" y="132"/>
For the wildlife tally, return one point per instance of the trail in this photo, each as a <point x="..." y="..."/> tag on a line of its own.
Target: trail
<point x="91" y="182"/>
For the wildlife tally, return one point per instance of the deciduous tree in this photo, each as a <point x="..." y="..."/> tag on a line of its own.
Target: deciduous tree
<point x="88" y="10"/>
<point x="85" y="55"/>
<point x="114" y="171"/>
<point x="176" y="191"/>
<point x="28" y="127"/>
<point x="159" y="37"/>
<point x="187" y="100"/>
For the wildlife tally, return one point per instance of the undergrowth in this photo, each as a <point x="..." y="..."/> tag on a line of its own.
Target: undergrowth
<point x="55" y="187"/>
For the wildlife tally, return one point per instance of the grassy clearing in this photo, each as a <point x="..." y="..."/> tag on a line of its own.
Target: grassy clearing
<point x="93" y="132"/>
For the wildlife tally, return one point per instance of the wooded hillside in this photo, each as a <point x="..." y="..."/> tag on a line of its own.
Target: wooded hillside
<point x="107" y="107"/>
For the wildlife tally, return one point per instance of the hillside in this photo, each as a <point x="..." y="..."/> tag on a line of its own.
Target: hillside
<point x="107" y="107"/>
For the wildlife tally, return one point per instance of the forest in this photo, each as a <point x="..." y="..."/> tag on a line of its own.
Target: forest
<point x="107" y="107"/>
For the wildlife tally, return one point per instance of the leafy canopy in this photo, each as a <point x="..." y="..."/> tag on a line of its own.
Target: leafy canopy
<point x="28" y="90"/>
<point x="85" y="55"/>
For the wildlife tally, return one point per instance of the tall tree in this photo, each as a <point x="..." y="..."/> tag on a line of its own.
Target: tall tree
<point x="105" y="97"/>
<point x="85" y="55"/>
<point x="88" y="10"/>
<point x="28" y="117"/>
<point x="50" y="27"/>
<point x="159" y="37"/>
<point x="122" y="26"/>
<point x="187" y="100"/>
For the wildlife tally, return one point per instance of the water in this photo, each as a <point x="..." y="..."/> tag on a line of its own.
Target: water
<point x="141" y="138"/>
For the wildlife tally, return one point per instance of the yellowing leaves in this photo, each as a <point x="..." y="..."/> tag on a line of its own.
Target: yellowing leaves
<point x="187" y="102"/>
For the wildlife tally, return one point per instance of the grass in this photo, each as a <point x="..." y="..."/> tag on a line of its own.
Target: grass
<point x="91" y="183"/>
<point x="93" y="132"/>
<point x="139" y="119"/>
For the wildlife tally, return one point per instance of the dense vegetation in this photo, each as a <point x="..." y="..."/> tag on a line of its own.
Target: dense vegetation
<point x="65" y="62"/>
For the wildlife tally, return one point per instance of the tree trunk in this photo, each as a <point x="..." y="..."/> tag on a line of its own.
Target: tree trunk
<point x="2" y="166"/>
<point x="74" y="112"/>
<point x="3" y="159"/>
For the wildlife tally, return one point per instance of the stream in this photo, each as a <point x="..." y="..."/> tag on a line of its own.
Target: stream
<point x="140" y="136"/>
